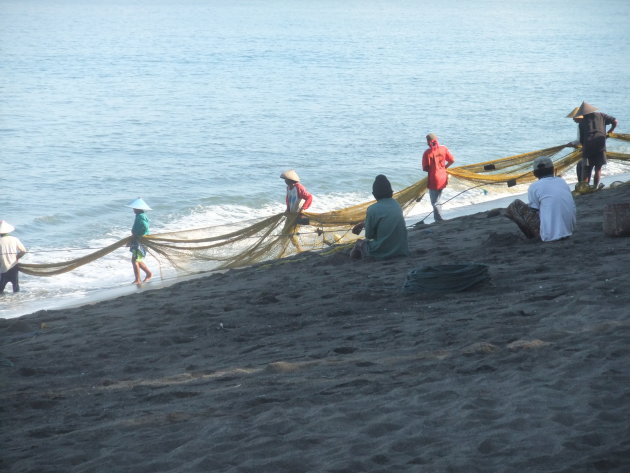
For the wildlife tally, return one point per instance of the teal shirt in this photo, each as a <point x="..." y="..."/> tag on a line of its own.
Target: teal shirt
<point x="385" y="229"/>
<point x="140" y="225"/>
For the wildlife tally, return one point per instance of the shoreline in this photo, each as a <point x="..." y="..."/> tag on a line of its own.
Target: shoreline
<point x="105" y="294"/>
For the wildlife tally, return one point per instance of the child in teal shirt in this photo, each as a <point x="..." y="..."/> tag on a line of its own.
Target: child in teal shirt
<point x="138" y="251"/>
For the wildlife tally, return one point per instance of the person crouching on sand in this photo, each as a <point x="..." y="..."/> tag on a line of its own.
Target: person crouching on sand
<point x="385" y="228"/>
<point x="11" y="250"/>
<point x="138" y="251"/>
<point x="550" y="214"/>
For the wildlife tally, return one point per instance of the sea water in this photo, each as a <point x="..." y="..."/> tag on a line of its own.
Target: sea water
<point x="198" y="106"/>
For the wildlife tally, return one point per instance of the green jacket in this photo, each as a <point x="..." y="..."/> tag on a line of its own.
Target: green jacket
<point x="385" y="229"/>
<point x="140" y="225"/>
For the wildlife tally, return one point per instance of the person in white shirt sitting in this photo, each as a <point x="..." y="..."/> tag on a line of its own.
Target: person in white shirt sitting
<point x="550" y="214"/>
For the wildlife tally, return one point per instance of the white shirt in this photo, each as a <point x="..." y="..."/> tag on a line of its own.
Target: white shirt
<point x="294" y="200"/>
<point x="9" y="249"/>
<point x="552" y="197"/>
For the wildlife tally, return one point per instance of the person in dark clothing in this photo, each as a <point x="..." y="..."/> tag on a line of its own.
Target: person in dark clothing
<point x="592" y="128"/>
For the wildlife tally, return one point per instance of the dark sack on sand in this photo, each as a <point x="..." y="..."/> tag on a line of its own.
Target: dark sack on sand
<point x="445" y="278"/>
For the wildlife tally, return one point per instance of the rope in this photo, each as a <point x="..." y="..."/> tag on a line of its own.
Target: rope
<point x="456" y="195"/>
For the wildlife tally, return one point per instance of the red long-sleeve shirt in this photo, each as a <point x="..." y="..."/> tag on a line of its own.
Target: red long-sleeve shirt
<point x="434" y="162"/>
<point x="302" y="194"/>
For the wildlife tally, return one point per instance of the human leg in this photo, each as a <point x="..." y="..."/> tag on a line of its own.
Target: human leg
<point x="15" y="272"/>
<point x="3" y="283"/>
<point x="586" y="173"/>
<point x="147" y="273"/>
<point x="136" y="270"/>
<point x="598" y="175"/>
<point x="436" y="197"/>
<point x="11" y="276"/>
<point x="527" y="219"/>
<point x="359" y="250"/>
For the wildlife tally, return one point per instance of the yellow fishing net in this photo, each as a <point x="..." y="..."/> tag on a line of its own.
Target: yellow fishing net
<point x="279" y="236"/>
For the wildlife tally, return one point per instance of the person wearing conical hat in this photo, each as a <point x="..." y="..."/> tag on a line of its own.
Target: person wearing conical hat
<point x="435" y="161"/>
<point x="385" y="228"/>
<point x="297" y="198"/>
<point x="592" y="128"/>
<point x="11" y="250"/>
<point x="575" y="143"/>
<point x="138" y="251"/>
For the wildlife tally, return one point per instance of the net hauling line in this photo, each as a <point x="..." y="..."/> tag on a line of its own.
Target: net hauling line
<point x="279" y="236"/>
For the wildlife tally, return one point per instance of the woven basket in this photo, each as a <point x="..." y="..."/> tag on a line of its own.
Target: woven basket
<point x="617" y="220"/>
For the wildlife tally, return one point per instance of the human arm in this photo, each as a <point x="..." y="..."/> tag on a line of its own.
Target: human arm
<point x="370" y="224"/>
<point x="358" y="228"/>
<point x="425" y="161"/>
<point x="304" y="195"/>
<point x="576" y="142"/>
<point x="612" y="128"/>
<point x="448" y="158"/>
<point x="21" y="250"/>
<point x="533" y="201"/>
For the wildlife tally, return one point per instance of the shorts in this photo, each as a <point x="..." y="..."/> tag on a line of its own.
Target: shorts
<point x="594" y="151"/>
<point x="137" y="255"/>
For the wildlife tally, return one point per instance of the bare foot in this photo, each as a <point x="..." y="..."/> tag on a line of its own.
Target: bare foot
<point x="148" y="278"/>
<point x="137" y="283"/>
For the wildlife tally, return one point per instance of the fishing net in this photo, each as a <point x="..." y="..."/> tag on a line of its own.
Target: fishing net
<point x="280" y="235"/>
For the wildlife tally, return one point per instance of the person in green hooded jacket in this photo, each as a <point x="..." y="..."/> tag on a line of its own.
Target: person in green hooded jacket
<point x="385" y="228"/>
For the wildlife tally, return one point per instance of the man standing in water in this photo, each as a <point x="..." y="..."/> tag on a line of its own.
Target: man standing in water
<point x="592" y="127"/>
<point x="11" y="250"/>
<point x="435" y="161"/>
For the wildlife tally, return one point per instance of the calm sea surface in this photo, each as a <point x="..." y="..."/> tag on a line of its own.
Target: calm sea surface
<point x="197" y="106"/>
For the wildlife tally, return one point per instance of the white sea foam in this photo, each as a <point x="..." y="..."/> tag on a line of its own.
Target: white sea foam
<point x="112" y="274"/>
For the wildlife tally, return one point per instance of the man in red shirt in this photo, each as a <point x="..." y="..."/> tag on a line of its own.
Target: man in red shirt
<point x="435" y="161"/>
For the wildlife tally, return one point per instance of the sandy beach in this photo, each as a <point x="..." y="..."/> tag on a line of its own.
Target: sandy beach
<point x="321" y="364"/>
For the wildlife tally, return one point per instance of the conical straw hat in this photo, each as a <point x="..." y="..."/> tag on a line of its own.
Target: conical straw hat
<point x="585" y="109"/>
<point x="6" y="227"/>
<point x="291" y="175"/>
<point x="573" y="113"/>
<point x="139" y="204"/>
